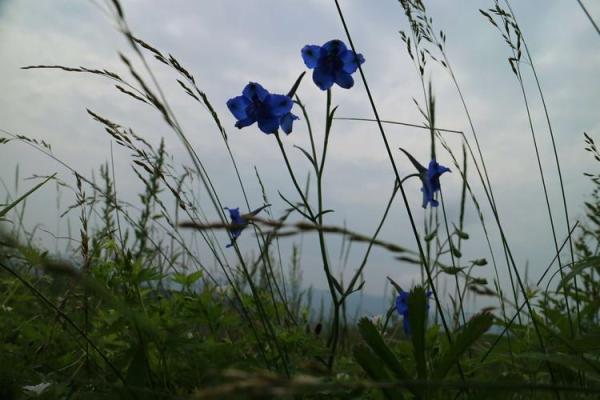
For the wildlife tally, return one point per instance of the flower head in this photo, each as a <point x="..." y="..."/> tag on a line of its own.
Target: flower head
<point x="402" y="308"/>
<point x="239" y="222"/>
<point x="431" y="182"/>
<point x="332" y="63"/>
<point x="256" y="104"/>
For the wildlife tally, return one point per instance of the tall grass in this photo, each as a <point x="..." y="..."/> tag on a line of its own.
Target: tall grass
<point x="152" y="304"/>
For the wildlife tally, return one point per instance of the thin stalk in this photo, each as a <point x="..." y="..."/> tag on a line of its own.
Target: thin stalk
<point x="395" y="169"/>
<point x="554" y="149"/>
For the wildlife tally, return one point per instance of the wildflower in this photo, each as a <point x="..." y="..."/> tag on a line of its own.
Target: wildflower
<point x="332" y="63"/>
<point x="430" y="177"/>
<point x="240" y="221"/>
<point x="256" y="104"/>
<point x="238" y="224"/>
<point x="402" y="308"/>
<point x="431" y="182"/>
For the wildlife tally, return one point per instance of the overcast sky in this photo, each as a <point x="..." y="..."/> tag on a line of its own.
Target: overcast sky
<point x="227" y="43"/>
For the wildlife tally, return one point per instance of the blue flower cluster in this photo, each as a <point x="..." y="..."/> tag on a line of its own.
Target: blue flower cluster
<point x="332" y="63"/>
<point x="402" y="308"/>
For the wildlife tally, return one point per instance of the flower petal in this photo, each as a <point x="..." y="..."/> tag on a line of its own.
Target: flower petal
<point x="278" y="104"/>
<point x="344" y="80"/>
<point x="351" y="61"/>
<point x="237" y="106"/>
<point x="402" y="303"/>
<point x="311" y="54"/>
<point x="335" y="46"/>
<point x="254" y="91"/>
<point x="268" y="125"/>
<point x="242" y="123"/>
<point x="286" y="122"/>
<point x="323" y="79"/>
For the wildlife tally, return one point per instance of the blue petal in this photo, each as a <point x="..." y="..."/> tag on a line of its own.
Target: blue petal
<point x="323" y="79"/>
<point x="311" y="54"/>
<point x="234" y="213"/>
<point x="335" y="47"/>
<point x="245" y="122"/>
<point x="435" y="170"/>
<point x="237" y="106"/>
<point x="268" y="125"/>
<point x="286" y="122"/>
<point x="344" y="80"/>
<point x="279" y="104"/>
<point x="351" y="61"/>
<point x="427" y="194"/>
<point x="254" y="91"/>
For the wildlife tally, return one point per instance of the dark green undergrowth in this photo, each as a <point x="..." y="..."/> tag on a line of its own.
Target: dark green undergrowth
<point x="147" y="301"/>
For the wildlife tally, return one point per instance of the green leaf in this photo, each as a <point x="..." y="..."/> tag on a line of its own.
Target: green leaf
<point x="373" y="367"/>
<point x="417" y="316"/>
<point x="296" y="84"/>
<point x="576" y="269"/>
<point x="575" y="363"/>
<point x="472" y="331"/>
<point x="371" y="335"/>
<point x="312" y="160"/>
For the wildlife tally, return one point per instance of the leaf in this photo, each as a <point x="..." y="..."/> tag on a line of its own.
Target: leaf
<point x="414" y="161"/>
<point x="417" y="316"/>
<point x="312" y="160"/>
<point x="472" y="331"/>
<point x="296" y="84"/>
<point x="579" y="267"/>
<point x="574" y="363"/>
<point x="371" y="335"/>
<point x="373" y="367"/>
<point x="323" y="213"/>
<point x="337" y="285"/>
<point x="295" y="207"/>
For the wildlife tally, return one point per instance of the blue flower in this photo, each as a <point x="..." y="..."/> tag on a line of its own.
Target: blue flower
<point x="240" y="222"/>
<point x="332" y="63"/>
<point x="431" y="182"/>
<point x="256" y="104"/>
<point x="402" y="308"/>
<point x="430" y="177"/>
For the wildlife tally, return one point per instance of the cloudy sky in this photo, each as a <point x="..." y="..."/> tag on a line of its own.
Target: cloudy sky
<point x="227" y="43"/>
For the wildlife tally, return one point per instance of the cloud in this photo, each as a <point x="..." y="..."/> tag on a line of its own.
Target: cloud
<point x="227" y="43"/>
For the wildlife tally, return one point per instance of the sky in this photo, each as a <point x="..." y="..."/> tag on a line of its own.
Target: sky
<point x="225" y="44"/>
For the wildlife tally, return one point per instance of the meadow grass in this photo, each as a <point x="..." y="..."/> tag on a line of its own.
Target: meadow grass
<point x="150" y="302"/>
